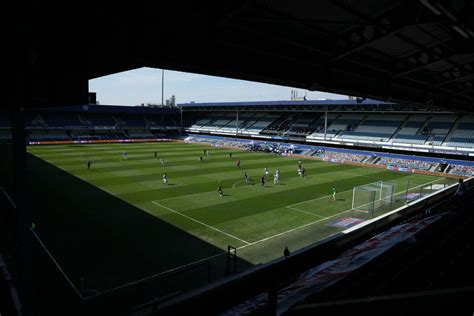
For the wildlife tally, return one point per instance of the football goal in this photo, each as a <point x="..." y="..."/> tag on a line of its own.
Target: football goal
<point x="373" y="196"/>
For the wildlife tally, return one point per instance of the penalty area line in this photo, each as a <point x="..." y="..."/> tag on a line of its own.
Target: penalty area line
<point x="311" y="223"/>
<point x="292" y="230"/>
<point x="199" y="222"/>
<point x="320" y="198"/>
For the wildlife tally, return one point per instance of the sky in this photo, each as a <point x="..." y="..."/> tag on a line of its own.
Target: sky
<point x="143" y="85"/>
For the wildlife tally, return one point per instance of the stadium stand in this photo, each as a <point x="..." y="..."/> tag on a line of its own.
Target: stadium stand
<point x="97" y="119"/>
<point x="428" y="132"/>
<point x="438" y="128"/>
<point x="258" y="126"/>
<point x="463" y="135"/>
<point x="461" y="170"/>
<point x="35" y="121"/>
<point x="319" y="132"/>
<point x="97" y="123"/>
<point x="45" y="135"/>
<point x="406" y="163"/>
<point x="140" y="134"/>
<point x="410" y="131"/>
<point x="400" y="162"/>
<point x="347" y="122"/>
<point x="293" y="124"/>
<point x="376" y="128"/>
<point x="340" y="157"/>
<point x="55" y="119"/>
<point x="304" y="124"/>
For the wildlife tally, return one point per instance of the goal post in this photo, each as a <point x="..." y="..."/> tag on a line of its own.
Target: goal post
<point x="373" y="196"/>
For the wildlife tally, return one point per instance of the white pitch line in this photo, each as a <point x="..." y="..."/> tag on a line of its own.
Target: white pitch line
<point x="8" y="196"/>
<point x="233" y="186"/>
<point x="199" y="222"/>
<point x="297" y="209"/>
<point x="292" y="230"/>
<point x="320" y="198"/>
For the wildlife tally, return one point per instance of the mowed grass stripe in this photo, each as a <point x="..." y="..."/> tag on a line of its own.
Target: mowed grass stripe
<point x="150" y="162"/>
<point x="228" y="179"/>
<point x="199" y="222"/>
<point x="173" y="174"/>
<point x="208" y="188"/>
<point x="108" y="156"/>
<point x="184" y="163"/>
<point x="215" y="214"/>
<point x="137" y="151"/>
<point x="97" y="160"/>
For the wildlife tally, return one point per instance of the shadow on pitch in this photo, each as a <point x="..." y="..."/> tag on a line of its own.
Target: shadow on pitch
<point x="108" y="241"/>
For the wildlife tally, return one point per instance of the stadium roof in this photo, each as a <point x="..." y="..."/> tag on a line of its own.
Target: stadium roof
<point x="113" y="109"/>
<point x="402" y="51"/>
<point x="286" y="103"/>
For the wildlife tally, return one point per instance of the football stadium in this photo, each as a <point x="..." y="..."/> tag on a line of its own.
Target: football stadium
<point x="360" y="204"/>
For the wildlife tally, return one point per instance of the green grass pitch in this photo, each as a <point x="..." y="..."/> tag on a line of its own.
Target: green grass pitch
<point x="258" y="221"/>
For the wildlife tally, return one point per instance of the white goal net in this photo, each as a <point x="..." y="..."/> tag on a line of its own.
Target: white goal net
<point x="373" y="196"/>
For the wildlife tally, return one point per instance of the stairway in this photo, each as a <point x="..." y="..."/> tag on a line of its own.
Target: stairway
<point x="360" y="122"/>
<point x="399" y="128"/>
<point x="428" y="119"/>
<point x="452" y="130"/>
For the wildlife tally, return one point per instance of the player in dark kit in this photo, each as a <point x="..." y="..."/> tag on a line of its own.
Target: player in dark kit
<point x="156" y="154"/>
<point x="221" y="192"/>
<point x="89" y="165"/>
<point x="262" y="181"/>
<point x="230" y="155"/>
<point x="238" y="163"/>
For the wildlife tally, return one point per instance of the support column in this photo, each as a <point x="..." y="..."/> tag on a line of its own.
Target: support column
<point x="237" y="124"/>
<point x="19" y="97"/>
<point x="24" y="240"/>
<point x="325" y="123"/>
